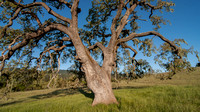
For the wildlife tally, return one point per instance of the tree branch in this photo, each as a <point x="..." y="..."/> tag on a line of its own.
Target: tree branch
<point x="122" y="23"/>
<point x="2" y="53"/>
<point x="67" y="4"/>
<point x="124" y="20"/>
<point x="2" y="2"/>
<point x="74" y="13"/>
<point x="56" y="48"/>
<point x="126" y="46"/>
<point x="66" y="39"/>
<point x="135" y="53"/>
<point x="151" y="6"/>
<point x="119" y="11"/>
<point x="98" y="44"/>
<point x="50" y="11"/>
<point x="135" y="35"/>
<point x="54" y="73"/>
<point x="3" y="32"/>
<point x="63" y="39"/>
<point x="35" y="35"/>
<point x="34" y="16"/>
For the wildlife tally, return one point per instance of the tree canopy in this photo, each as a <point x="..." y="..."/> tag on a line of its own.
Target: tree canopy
<point x="109" y="35"/>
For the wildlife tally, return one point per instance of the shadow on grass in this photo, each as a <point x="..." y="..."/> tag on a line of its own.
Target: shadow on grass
<point x="10" y="103"/>
<point x="63" y="92"/>
<point x="131" y="87"/>
<point x="83" y="90"/>
<point x="57" y="93"/>
<point x="87" y="93"/>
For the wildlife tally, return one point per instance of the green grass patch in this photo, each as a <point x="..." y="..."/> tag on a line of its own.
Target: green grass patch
<point x="144" y="99"/>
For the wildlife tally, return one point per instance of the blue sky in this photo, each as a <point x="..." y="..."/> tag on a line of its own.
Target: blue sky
<point x="184" y="24"/>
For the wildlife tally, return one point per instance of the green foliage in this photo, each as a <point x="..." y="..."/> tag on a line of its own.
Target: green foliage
<point x="147" y="47"/>
<point x="22" y="79"/>
<point x="11" y="34"/>
<point x="7" y="11"/>
<point x="142" y="68"/>
<point x="198" y="64"/>
<point x="157" y="21"/>
<point x="197" y="55"/>
<point x="174" y="63"/>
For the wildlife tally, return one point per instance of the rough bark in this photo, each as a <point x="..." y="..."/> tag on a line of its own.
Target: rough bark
<point x="99" y="82"/>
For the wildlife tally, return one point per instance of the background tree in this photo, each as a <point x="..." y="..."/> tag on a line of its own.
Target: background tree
<point x="112" y="24"/>
<point x="172" y="63"/>
<point x="197" y="55"/>
<point x="143" y="68"/>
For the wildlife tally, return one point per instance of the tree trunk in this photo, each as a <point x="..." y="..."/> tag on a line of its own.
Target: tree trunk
<point x="53" y="78"/>
<point x="99" y="82"/>
<point x="98" y="78"/>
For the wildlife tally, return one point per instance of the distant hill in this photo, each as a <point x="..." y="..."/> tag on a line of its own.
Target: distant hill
<point x="67" y="73"/>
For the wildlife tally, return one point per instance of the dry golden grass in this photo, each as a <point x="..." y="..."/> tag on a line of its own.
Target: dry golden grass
<point x="183" y="78"/>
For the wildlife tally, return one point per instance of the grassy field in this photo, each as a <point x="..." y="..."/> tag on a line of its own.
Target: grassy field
<point x="181" y="94"/>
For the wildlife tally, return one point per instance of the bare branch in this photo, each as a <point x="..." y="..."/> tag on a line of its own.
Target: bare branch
<point x="35" y="35"/>
<point x="50" y="11"/>
<point x="2" y="53"/>
<point x="56" y="48"/>
<point x="3" y="32"/>
<point x="61" y="48"/>
<point x="126" y="2"/>
<point x="63" y="39"/>
<point x="119" y="11"/>
<point x="66" y="39"/>
<point x="134" y="18"/>
<point x="2" y="2"/>
<point x="135" y="53"/>
<point x="98" y="44"/>
<point x="54" y="72"/>
<point x="51" y="61"/>
<point x="151" y="6"/>
<point x="74" y="13"/>
<point x="111" y="6"/>
<point x="126" y="46"/>
<point x="42" y="54"/>
<point x="34" y="16"/>
<point x="2" y="65"/>
<point x="135" y="35"/>
<point x="124" y="20"/>
<point x="14" y="41"/>
<point x="67" y="4"/>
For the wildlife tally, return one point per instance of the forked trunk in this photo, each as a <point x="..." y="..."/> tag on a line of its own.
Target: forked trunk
<point x="98" y="79"/>
<point x="99" y="82"/>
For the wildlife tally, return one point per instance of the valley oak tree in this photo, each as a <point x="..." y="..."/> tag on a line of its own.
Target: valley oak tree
<point x="111" y="24"/>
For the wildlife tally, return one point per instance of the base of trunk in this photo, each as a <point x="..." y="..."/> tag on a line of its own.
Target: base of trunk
<point x="99" y="82"/>
<point x="103" y="98"/>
